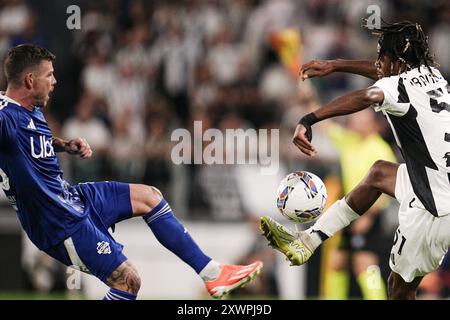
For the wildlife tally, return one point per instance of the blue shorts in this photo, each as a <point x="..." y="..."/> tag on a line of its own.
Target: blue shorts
<point x="91" y="248"/>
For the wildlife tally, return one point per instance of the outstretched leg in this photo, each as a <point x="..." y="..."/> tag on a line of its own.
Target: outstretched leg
<point x="299" y="247"/>
<point x="401" y="290"/>
<point x="220" y="279"/>
<point x="380" y="179"/>
<point x="149" y="203"/>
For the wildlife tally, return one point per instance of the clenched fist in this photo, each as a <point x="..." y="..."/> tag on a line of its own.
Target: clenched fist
<point x="79" y="146"/>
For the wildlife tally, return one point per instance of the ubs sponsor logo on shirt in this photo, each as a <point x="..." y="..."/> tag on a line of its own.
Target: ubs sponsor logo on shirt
<point x="44" y="148"/>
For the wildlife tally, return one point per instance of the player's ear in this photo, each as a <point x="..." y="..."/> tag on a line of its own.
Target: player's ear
<point x="28" y="80"/>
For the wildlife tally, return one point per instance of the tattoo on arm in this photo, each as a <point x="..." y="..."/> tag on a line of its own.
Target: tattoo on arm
<point x="58" y="144"/>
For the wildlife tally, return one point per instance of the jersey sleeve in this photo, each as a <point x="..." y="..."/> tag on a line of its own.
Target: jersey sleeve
<point x="391" y="90"/>
<point x="7" y="128"/>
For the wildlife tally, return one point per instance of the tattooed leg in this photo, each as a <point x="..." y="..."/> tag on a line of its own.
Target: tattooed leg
<point x="125" y="278"/>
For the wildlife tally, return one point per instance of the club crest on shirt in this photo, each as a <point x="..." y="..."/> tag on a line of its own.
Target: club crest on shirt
<point x="103" y="248"/>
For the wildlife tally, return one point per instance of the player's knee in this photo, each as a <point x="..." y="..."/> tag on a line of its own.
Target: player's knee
<point x="377" y="174"/>
<point x="125" y="278"/>
<point x="135" y="283"/>
<point x="152" y="196"/>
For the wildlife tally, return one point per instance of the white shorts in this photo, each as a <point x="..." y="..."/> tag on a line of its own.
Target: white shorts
<point x="421" y="240"/>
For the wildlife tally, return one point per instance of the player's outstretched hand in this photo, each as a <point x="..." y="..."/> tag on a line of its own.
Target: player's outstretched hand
<point x="316" y="68"/>
<point x="301" y="141"/>
<point x="79" y="146"/>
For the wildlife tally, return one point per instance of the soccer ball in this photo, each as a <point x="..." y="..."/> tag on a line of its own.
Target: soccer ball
<point x="301" y="196"/>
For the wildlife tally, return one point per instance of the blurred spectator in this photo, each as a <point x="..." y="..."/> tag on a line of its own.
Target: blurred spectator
<point x="85" y="124"/>
<point x="157" y="152"/>
<point x="98" y="74"/>
<point x="224" y="58"/>
<point x="14" y="17"/>
<point x="177" y="56"/>
<point x="128" y="91"/>
<point x="440" y="37"/>
<point x="126" y="149"/>
<point x="30" y="34"/>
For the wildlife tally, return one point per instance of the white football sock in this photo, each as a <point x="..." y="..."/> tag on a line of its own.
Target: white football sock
<point x="336" y="218"/>
<point x="315" y="238"/>
<point x="211" y="271"/>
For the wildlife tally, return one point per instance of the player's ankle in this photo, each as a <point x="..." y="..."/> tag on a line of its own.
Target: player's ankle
<point x="211" y="271"/>
<point x="315" y="237"/>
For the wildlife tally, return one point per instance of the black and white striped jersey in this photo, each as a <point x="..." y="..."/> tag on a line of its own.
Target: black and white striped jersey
<point x="417" y="106"/>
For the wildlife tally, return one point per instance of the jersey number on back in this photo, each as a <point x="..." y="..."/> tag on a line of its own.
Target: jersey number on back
<point x="437" y="94"/>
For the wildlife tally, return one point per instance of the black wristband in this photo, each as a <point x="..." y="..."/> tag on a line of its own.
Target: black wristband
<point x="309" y="119"/>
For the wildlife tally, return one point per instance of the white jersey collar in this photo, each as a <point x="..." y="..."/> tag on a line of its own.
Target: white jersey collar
<point x="2" y="95"/>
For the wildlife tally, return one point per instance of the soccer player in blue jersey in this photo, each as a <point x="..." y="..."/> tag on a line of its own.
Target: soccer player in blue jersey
<point x="70" y="222"/>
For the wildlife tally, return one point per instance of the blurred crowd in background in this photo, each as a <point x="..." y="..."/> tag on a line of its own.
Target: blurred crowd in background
<point x="137" y="70"/>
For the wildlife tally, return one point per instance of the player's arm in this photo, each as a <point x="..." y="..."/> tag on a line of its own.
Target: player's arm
<point x="349" y="103"/>
<point x="320" y="68"/>
<point x="58" y="144"/>
<point x="78" y="146"/>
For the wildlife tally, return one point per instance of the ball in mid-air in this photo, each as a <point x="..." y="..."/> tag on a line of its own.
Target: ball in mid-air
<point x="301" y="196"/>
